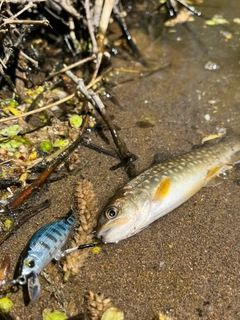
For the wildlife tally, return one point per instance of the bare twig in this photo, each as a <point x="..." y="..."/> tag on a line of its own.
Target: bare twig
<point x="91" y="27"/>
<point x="23" y="1"/>
<point x="39" y="109"/>
<point x="126" y="156"/>
<point x="3" y="64"/>
<point x="68" y="8"/>
<point x="72" y="35"/>
<point x="97" y="12"/>
<point x="24" y="55"/>
<point x="74" y="65"/>
<point x="25" y="8"/>
<point x="104" y="21"/>
<point x="12" y="21"/>
<point x="105" y="17"/>
<point x="128" y="36"/>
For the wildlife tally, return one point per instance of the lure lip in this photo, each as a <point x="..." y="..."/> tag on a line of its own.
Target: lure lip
<point x="33" y="285"/>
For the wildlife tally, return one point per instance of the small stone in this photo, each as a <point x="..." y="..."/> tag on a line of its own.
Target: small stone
<point x="210" y="65"/>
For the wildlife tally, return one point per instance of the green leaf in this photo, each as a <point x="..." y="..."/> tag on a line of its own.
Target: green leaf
<point x="5" y="304"/>
<point x="11" y="131"/>
<point x="54" y="315"/>
<point x="113" y="314"/>
<point x="11" y="146"/>
<point x="46" y="146"/>
<point x="76" y="121"/>
<point x="59" y="143"/>
<point x="9" y="103"/>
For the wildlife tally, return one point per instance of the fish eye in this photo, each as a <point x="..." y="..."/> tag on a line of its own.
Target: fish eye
<point x="111" y="212"/>
<point x="30" y="263"/>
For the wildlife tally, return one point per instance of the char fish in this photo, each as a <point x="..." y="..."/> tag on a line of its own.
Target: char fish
<point x="164" y="187"/>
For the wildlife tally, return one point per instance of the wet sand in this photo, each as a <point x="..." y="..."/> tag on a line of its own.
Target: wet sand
<point x="185" y="265"/>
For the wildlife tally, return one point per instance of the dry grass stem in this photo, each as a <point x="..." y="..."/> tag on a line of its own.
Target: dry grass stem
<point x="39" y="109"/>
<point x="91" y="27"/>
<point x="12" y="21"/>
<point x="72" y="66"/>
<point x="105" y="17"/>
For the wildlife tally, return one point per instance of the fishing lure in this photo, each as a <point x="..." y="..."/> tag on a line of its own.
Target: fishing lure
<point x="44" y="246"/>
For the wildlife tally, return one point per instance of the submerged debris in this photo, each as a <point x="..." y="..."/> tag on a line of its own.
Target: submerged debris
<point x="216" y="19"/>
<point x="182" y="17"/>
<point x="97" y="305"/>
<point x="86" y="212"/>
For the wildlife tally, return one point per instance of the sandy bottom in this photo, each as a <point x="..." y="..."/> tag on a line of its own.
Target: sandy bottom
<point x="186" y="265"/>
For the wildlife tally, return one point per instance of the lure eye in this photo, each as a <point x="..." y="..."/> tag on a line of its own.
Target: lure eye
<point x="111" y="213"/>
<point x="30" y="263"/>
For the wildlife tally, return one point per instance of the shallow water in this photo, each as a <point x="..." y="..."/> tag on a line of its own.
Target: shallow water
<point x="186" y="265"/>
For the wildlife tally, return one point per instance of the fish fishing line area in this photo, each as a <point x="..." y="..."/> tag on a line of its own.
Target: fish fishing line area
<point x="183" y="88"/>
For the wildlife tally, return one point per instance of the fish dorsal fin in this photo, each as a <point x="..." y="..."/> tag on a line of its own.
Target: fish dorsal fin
<point x="162" y="189"/>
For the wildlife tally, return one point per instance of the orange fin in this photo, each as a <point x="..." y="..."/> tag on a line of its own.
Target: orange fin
<point x="162" y="190"/>
<point x="214" y="172"/>
<point x="212" y="178"/>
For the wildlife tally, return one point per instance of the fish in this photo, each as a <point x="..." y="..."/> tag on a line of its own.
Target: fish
<point x="44" y="246"/>
<point x="164" y="187"/>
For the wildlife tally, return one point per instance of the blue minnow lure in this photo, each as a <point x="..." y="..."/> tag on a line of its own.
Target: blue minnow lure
<point x="44" y="246"/>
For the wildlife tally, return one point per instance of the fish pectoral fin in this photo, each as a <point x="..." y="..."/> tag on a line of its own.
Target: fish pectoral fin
<point x="212" y="178"/>
<point x="214" y="182"/>
<point x="162" y="189"/>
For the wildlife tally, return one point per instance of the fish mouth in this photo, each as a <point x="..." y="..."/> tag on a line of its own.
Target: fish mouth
<point x="106" y="231"/>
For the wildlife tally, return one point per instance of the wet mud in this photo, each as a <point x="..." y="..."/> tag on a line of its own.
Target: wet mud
<point x="185" y="265"/>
